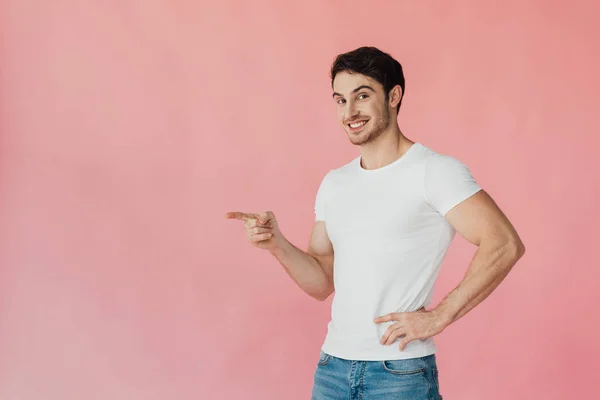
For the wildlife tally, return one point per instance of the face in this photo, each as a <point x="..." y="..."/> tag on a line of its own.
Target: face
<point x="362" y="107"/>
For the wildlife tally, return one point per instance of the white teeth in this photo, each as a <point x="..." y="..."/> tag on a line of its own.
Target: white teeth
<point x="359" y="124"/>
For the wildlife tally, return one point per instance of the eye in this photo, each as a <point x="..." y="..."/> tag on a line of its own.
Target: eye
<point x="340" y="101"/>
<point x="362" y="96"/>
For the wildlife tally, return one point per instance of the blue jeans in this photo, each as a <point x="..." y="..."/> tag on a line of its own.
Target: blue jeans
<point x="410" y="379"/>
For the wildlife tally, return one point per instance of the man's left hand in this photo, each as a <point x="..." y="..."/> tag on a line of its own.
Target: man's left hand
<point x="420" y="324"/>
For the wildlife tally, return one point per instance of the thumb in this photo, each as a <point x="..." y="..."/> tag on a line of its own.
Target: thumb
<point x="262" y="218"/>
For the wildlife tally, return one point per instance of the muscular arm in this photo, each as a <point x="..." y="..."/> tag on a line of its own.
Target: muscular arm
<point x="311" y="270"/>
<point x="480" y="221"/>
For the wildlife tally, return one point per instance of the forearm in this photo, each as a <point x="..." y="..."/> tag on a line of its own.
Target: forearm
<point x="488" y="269"/>
<point x="304" y="269"/>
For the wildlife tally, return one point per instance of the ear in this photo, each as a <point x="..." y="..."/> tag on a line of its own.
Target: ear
<point x="395" y="96"/>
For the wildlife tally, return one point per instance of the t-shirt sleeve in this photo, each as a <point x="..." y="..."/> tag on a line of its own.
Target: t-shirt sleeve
<point x="320" y="200"/>
<point x="448" y="182"/>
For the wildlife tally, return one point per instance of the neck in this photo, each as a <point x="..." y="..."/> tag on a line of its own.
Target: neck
<point x="389" y="147"/>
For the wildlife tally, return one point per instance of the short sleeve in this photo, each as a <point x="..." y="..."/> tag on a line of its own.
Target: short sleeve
<point x="320" y="200"/>
<point x="448" y="182"/>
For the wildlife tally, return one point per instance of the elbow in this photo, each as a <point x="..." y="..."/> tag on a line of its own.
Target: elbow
<point x="319" y="297"/>
<point x="517" y="249"/>
<point x="521" y="250"/>
<point x="322" y="295"/>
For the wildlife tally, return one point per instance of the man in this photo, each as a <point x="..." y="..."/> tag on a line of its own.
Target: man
<point x="390" y="215"/>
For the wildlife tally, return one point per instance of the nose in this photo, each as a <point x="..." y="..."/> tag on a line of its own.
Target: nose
<point x="350" y="112"/>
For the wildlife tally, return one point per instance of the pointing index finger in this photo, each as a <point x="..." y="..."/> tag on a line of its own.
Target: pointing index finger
<point x="240" y="215"/>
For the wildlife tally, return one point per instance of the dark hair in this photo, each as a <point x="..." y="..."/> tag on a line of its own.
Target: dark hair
<point x="374" y="63"/>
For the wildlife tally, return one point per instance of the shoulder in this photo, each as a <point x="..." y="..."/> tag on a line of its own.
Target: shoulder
<point x="346" y="171"/>
<point x="434" y="157"/>
<point x="442" y="165"/>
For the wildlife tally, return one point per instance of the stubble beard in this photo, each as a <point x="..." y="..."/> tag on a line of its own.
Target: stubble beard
<point x="379" y="126"/>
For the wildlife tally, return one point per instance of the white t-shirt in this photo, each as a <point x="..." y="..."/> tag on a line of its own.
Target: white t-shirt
<point x="389" y="237"/>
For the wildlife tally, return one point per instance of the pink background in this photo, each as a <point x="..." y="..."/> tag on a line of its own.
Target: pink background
<point x="128" y="128"/>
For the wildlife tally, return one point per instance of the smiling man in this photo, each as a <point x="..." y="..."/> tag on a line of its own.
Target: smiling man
<point x="383" y="224"/>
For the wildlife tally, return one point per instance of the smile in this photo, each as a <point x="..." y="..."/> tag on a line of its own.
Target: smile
<point x="357" y="124"/>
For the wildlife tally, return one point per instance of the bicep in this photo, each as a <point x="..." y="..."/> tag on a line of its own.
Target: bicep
<point x="479" y="218"/>
<point x="321" y="248"/>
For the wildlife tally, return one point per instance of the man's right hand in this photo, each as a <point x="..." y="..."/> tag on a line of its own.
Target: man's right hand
<point x="262" y="229"/>
<point x="311" y="270"/>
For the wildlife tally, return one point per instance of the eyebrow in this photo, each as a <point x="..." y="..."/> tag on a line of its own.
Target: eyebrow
<point x="356" y="90"/>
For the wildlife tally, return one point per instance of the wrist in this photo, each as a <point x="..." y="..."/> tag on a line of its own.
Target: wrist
<point x="281" y="246"/>
<point x="443" y="315"/>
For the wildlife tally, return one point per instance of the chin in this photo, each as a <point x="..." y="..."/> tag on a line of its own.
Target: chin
<point x="358" y="137"/>
<point x="358" y="140"/>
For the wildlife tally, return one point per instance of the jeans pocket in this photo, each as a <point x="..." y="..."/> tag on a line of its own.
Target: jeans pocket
<point x="323" y="358"/>
<point x="403" y="367"/>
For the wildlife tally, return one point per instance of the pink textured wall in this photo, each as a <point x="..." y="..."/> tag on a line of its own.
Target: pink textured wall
<point x="128" y="128"/>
